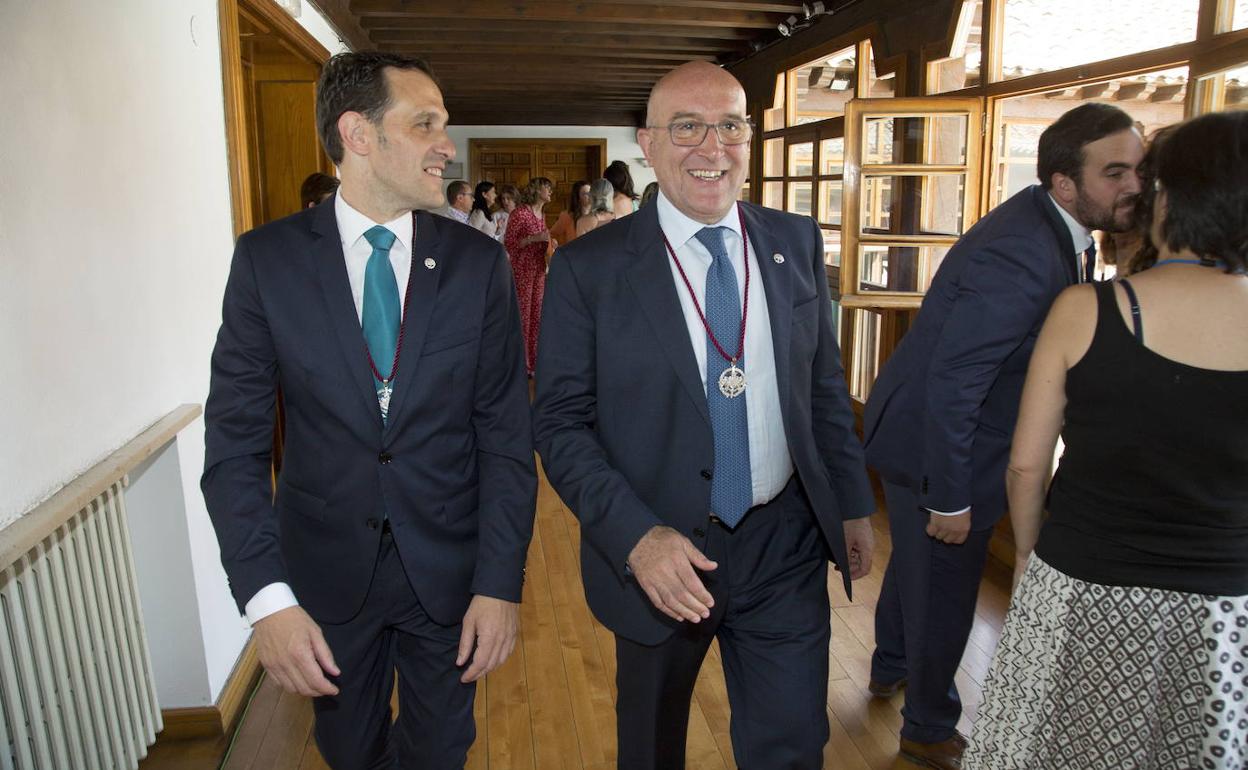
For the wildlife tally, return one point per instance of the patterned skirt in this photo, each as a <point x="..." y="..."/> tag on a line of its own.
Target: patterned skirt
<point x="1114" y="677"/>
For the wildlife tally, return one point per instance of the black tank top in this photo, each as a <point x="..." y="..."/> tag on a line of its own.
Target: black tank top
<point x="1152" y="489"/>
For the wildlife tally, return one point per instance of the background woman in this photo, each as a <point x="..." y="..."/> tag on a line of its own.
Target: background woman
<point x="1126" y="644"/>
<point x="526" y="240"/>
<point x="601" y="196"/>
<point x="507" y="197"/>
<point x="483" y="198"/>
<point x="625" y="201"/>
<point x="578" y="205"/>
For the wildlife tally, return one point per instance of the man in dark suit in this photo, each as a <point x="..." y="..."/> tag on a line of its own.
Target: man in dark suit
<point x="691" y="411"/>
<point x="404" y="508"/>
<point x="939" y="419"/>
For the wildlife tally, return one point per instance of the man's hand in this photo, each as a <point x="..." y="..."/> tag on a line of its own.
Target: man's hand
<point x="949" y="529"/>
<point x="491" y="624"/>
<point x="293" y="651"/>
<point x="859" y="542"/>
<point x="663" y="562"/>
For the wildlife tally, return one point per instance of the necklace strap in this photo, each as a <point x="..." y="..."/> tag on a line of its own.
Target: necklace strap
<point x="745" y="309"/>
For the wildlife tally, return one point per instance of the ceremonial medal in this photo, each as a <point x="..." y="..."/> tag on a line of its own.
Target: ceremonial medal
<point x="732" y="381"/>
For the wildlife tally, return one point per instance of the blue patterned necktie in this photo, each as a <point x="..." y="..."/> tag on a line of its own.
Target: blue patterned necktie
<point x="731" y="490"/>
<point x="382" y="312"/>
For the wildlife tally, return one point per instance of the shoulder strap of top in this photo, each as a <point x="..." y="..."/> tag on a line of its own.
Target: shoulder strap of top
<point x="1137" y="322"/>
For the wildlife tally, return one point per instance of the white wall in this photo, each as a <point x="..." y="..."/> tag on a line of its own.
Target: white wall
<point x="621" y="144"/>
<point x="115" y="241"/>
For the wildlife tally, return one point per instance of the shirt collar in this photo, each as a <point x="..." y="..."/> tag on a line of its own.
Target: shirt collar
<point x="1079" y="235"/>
<point x="352" y="224"/>
<point x="679" y="228"/>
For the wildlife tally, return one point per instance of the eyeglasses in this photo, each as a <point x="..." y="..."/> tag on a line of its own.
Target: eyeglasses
<point x="691" y="133"/>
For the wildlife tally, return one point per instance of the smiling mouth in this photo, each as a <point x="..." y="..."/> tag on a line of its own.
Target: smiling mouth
<point x="707" y="175"/>
<point x="434" y="171"/>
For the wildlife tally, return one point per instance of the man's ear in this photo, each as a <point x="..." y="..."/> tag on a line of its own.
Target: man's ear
<point x="644" y="138"/>
<point x="1064" y="188"/>
<point x="357" y="133"/>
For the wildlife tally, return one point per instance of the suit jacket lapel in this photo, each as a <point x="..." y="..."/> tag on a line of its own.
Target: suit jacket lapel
<point x="651" y="280"/>
<point x="777" y="280"/>
<point x="422" y="290"/>
<point x="331" y="268"/>
<point x="1070" y="262"/>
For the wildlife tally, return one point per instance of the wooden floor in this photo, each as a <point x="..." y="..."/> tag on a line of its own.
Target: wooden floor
<point x="550" y="705"/>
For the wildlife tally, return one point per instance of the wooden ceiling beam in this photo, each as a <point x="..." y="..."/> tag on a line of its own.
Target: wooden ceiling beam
<point x="672" y="58"/>
<point x="442" y="60"/>
<point x="435" y="40"/>
<point x="344" y="23"/>
<point x="373" y="24"/>
<point x="515" y="117"/>
<point x="575" y="13"/>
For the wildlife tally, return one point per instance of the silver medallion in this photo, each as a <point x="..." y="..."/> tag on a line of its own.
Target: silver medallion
<point x="732" y="381"/>
<point x="383" y="399"/>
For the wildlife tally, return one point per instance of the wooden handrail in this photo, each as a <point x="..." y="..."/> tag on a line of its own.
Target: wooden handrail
<point x="26" y="532"/>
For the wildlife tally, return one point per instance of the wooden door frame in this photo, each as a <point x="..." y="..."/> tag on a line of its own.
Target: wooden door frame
<point x="475" y="144"/>
<point x="301" y="42"/>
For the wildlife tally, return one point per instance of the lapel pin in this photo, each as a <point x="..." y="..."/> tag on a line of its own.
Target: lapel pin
<point x="778" y="258"/>
<point x="430" y="263"/>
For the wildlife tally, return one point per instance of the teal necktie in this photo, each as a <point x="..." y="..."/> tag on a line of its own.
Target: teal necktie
<point x="382" y="313"/>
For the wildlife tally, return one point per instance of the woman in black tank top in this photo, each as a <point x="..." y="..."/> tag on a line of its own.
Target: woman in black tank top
<point x="1126" y="643"/>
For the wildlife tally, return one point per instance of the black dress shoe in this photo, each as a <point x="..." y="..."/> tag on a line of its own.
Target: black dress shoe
<point x="945" y="755"/>
<point x="885" y="689"/>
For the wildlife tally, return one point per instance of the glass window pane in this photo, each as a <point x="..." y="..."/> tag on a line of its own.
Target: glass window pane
<point x="832" y="247"/>
<point x="897" y="268"/>
<point x="1055" y="34"/>
<point x="864" y="358"/>
<point x="801" y="159"/>
<point x="773" y="117"/>
<point x="962" y="68"/>
<point x="927" y="204"/>
<point x="773" y="157"/>
<point x="745" y="191"/>
<point x="1237" y="86"/>
<point x="937" y="139"/>
<point x="773" y="195"/>
<point x="799" y="198"/>
<point x="1239" y="15"/>
<point x="1154" y="99"/>
<point x="823" y="87"/>
<point x="832" y="156"/>
<point x="830" y="202"/>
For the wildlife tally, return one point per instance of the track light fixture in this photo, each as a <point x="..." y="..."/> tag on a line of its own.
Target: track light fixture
<point x="811" y="10"/>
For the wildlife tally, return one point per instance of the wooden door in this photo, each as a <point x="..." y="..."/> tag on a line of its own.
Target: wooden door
<point x="516" y="161"/>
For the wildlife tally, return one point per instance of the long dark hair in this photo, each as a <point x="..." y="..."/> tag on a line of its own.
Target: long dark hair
<point x="617" y="174"/>
<point x="574" y="200"/>
<point x="478" y="198"/>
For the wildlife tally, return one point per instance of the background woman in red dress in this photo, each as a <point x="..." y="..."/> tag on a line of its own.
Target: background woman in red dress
<point x="526" y="241"/>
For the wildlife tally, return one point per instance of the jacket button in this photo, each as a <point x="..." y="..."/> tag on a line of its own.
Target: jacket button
<point x="384" y="458"/>
<point x="706" y="474"/>
<point x="372" y="523"/>
<point x="699" y="532"/>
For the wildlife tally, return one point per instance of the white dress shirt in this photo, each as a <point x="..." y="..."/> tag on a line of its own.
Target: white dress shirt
<point x="355" y="250"/>
<point x="771" y="466"/>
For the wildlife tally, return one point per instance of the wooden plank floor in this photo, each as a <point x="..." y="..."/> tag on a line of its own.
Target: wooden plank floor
<point x="550" y="705"/>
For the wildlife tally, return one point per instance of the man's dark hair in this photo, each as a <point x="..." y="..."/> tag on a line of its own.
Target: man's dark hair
<point x="1202" y="168"/>
<point x="1061" y="144"/>
<point x="454" y="189"/>
<point x="316" y="188"/>
<point x="356" y="82"/>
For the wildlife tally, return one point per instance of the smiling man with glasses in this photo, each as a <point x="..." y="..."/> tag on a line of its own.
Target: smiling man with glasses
<point x="692" y="412"/>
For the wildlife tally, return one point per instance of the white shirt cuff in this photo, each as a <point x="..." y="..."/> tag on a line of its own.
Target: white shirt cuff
<point x="941" y="513"/>
<point x="268" y="600"/>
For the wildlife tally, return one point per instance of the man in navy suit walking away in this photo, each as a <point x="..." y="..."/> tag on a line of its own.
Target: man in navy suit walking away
<point x="404" y="508"/>
<point x="692" y="412"/>
<point x="939" y="419"/>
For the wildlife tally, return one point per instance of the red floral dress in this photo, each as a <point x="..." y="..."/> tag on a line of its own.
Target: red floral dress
<point x="528" y="265"/>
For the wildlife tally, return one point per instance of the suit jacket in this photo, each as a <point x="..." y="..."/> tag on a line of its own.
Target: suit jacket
<point x="621" y="420"/>
<point x="453" y="468"/>
<point x="941" y="415"/>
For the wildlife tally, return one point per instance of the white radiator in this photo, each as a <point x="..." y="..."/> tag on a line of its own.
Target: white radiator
<point x="76" y="686"/>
